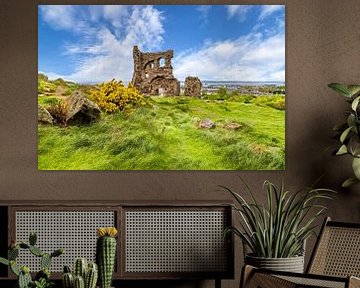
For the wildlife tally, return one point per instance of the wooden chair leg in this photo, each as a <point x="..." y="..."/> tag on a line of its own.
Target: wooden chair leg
<point x="217" y="282"/>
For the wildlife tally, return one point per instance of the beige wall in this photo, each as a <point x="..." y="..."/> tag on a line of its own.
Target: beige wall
<point x="322" y="46"/>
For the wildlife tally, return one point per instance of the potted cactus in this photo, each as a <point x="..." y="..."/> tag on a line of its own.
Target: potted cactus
<point x="106" y="254"/>
<point x="42" y="278"/>
<point x="84" y="275"/>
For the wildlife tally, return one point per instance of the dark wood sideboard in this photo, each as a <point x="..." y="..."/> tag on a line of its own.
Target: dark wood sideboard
<point x="158" y="241"/>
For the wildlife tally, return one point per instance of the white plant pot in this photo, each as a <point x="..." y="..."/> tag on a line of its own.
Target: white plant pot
<point x="291" y="264"/>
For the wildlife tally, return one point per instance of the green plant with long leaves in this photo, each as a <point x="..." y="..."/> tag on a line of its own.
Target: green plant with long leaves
<point x="349" y="131"/>
<point x="279" y="229"/>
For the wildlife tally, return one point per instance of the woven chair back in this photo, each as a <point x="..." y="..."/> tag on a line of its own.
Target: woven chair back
<point x="337" y="252"/>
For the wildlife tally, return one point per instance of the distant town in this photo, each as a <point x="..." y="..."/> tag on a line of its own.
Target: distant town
<point x="242" y="87"/>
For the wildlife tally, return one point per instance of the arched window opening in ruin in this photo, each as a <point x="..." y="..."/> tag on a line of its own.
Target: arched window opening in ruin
<point x="161" y="91"/>
<point x="150" y="65"/>
<point x="162" y="62"/>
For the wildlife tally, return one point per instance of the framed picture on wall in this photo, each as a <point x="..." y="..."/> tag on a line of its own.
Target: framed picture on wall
<point x="161" y="87"/>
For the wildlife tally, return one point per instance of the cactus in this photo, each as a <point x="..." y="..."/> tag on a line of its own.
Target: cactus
<point x="57" y="252"/>
<point x="14" y="268"/>
<point x="44" y="273"/>
<point x="105" y="254"/>
<point x="80" y="267"/>
<point x="67" y="269"/>
<point x="45" y="261"/>
<point x="79" y="282"/>
<point x="24" y="280"/>
<point x="68" y="280"/>
<point x="24" y="246"/>
<point x="23" y="273"/>
<point x="32" y="239"/>
<point x="91" y="276"/>
<point x="13" y="253"/>
<point x="36" y="251"/>
<point x="89" y="272"/>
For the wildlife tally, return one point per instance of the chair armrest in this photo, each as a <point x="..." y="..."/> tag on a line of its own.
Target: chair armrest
<point x="254" y="277"/>
<point x="354" y="282"/>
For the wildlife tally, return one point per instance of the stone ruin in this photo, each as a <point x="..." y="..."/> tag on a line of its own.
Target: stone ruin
<point x="193" y="86"/>
<point x="153" y="75"/>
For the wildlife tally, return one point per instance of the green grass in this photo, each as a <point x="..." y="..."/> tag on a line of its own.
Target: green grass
<point x="165" y="135"/>
<point x="47" y="100"/>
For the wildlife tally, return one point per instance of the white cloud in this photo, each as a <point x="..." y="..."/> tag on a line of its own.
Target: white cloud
<point x="239" y="11"/>
<point x="104" y="49"/>
<point x="204" y="12"/>
<point x="144" y="27"/>
<point x="254" y="57"/>
<point x="58" y="16"/>
<point x="106" y="36"/>
<point x="64" y="17"/>
<point x="267" y="10"/>
<point x="248" y="58"/>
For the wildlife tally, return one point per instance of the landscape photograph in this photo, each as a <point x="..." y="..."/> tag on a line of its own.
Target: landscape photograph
<point x="161" y="87"/>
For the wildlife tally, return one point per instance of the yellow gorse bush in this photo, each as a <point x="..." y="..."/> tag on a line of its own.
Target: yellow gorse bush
<point x="114" y="95"/>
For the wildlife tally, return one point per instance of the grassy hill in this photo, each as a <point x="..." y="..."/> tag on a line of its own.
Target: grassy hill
<point x="165" y="135"/>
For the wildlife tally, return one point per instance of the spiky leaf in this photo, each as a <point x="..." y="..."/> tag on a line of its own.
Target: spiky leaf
<point x="280" y="228"/>
<point x="354" y="145"/>
<point x="356" y="167"/>
<point x="353" y="89"/>
<point x="4" y="261"/>
<point x="340" y="88"/>
<point x="355" y="103"/>
<point x="345" y="134"/>
<point x="342" y="150"/>
<point x="349" y="182"/>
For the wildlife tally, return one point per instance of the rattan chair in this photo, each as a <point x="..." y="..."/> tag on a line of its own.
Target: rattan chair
<point x="334" y="263"/>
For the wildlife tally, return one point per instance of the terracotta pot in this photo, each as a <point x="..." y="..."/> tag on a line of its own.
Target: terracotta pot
<point x="291" y="264"/>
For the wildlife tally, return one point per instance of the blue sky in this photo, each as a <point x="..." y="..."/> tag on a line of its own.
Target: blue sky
<point x="90" y="44"/>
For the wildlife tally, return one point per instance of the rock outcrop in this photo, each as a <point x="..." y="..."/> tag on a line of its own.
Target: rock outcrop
<point x="233" y="126"/>
<point x="80" y="110"/>
<point x="44" y="116"/>
<point x="206" y="124"/>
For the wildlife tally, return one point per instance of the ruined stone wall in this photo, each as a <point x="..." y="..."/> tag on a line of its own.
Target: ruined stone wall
<point x="193" y="86"/>
<point x="153" y="73"/>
